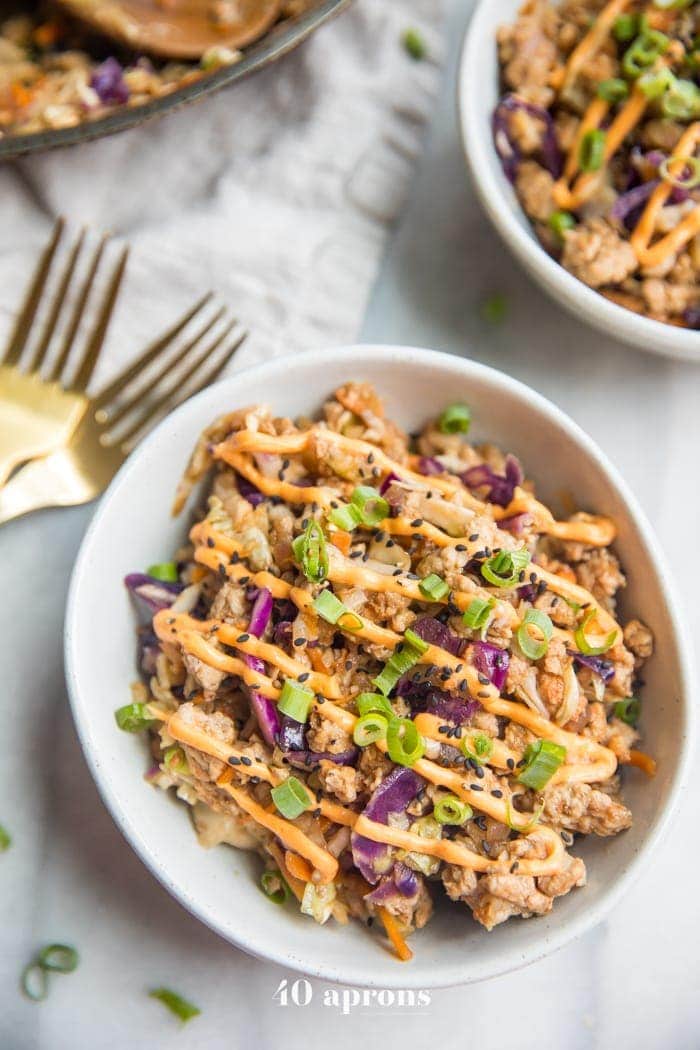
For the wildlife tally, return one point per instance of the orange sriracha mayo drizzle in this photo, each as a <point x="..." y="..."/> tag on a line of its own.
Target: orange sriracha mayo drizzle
<point x="323" y="862"/>
<point x="630" y="114"/>
<point x="215" y="557"/>
<point x="593" y="756"/>
<point x="651" y="255"/>
<point x="597" y="532"/>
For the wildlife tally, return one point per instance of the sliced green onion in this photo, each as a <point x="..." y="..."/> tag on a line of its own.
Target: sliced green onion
<point x="494" y="308"/>
<point x="655" y="83"/>
<point x="628" y="710"/>
<point x="133" y="718"/>
<point x="504" y="569"/>
<point x="613" y="90"/>
<point x="165" y="571"/>
<point x="542" y="760"/>
<point x="582" y="643"/>
<point x="401" y="661"/>
<point x="456" y="419"/>
<point x="524" y="829"/>
<point x="452" y="810"/>
<point x="369" y="729"/>
<point x="295" y="701"/>
<point x="434" y="587"/>
<point x="625" y="27"/>
<point x="332" y="610"/>
<point x="371" y="507"/>
<point x="691" y="164"/>
<point x="414" y="44"/>
<point x="58" y="958"/>
<point x="311" y="552"/>
<point x="404" y="743"/>
<point x="374" y="703"/>
<point x="681" y="101"/>
<point x="643" y="52"/>
<point x="175" y="1003"/>
<point x="275" y="887"/>
<point x="291" y="798"/>
<point x="533" y="647"/>
<point x="5" y="839"/>
<point x="560" y="222"/>
<point x="345" y="518"/>
<point x="175" y="761"/>
<point x="479" y="746"/>
<point x="478" y="613"/>
<point x="592" y="150"/>
<point x="35" y="982"/>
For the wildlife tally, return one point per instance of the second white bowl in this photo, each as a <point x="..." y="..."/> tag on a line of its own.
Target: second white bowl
<point x="133" y="528"/>
<point x="478" y="96"/>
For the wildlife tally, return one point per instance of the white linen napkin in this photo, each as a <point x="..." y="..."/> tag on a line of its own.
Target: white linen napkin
<point x="278" y="192"/>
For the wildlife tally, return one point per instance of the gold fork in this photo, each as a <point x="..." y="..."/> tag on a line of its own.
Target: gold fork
<point x="84" y="466"/>
<point x="37" y="414"/>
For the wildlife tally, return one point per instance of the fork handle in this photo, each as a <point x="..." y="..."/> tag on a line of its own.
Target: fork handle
<point x="38" y="484"/>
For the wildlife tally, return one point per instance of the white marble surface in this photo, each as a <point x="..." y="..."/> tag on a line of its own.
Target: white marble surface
<point x="631" y="983"/>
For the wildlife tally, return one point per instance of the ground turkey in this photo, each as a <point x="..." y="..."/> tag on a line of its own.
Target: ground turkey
<point x="583" y="808"/>
<point x="597" y="255"/>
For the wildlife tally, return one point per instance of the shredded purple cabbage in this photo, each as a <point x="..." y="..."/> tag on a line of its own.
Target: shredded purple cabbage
<point x="393" y="795"/>
<point x="424" y="697"/>
<point x="435" y="633"/>
<point x="387" y="482"/>
<point x="691" y="317"/>
<point x="597" y="664"/>
<point x="282" y="632"/>
<point x="402" y="882"/>
<point x="153" y="594"/>
<point x="108" y="83"/>
<point x="249" y="491"/>
<point x="304" y="759"/>
<point x="501" y="486"/>
<point x="491" y="661"/>
<point x="265" y="711"/>
<point x="509" y="152"/>
<point x="148" y="650"/>
<point x="516" y="524"/>
<point x="430" y="466"/>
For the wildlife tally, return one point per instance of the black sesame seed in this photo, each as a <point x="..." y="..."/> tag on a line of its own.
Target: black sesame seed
<point x="510" y="763"/>
<point x="243" y="637"/>
<point x="300" y="641"/>
<point x="222" y="571"/>
<point x="246" y="761"/>
<point x="355" y="554"/>
<point x="396" y="572"/>
<point x="210" y="542"/>
<point x="390" y="543"/>
<point x="370" y="458"/>
<point x="416" y="523"/>
<point x="304" y="677"/>
<point x="234" y="760"/>
<point x="476" y="787"/>
<point x="484" y="680"/>
<point x="460" y="547"/>
<point x="244" y="580"/>
<point x="514" y="866"/>
<point x="496" y="793"/>
<point x="474" y="537"/>
<point x="444" y="729"/>
<point x="320" y="700"/>
<point x="479" y="770"/>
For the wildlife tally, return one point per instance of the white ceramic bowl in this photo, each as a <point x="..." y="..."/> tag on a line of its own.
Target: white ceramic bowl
<point x="133" y="528"/>
<point x="478" y="95"/>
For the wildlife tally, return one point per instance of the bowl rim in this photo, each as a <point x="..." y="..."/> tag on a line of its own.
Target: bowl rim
<point x="637" y="331"/>
<point x="513" y="958"/>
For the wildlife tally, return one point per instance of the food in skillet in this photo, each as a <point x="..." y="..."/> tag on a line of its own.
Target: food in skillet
<point x="53" y="74"/>
<point x="598" y="128"/>
<point x="386" y="667"/>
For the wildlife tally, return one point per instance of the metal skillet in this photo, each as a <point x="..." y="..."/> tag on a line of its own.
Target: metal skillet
<point x="275" y="43"/>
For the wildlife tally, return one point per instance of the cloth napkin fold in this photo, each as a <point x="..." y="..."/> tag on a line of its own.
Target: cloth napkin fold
<point x="278" y="192"/>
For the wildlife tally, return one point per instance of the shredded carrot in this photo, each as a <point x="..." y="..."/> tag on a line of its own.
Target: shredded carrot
<point x="199" y="573"/>
<point x="297" y="866"/>
<point x="21" y="95"/>
<point x="317" y="661"/>
<point x="394" y="934"/>
<point x="296" y="885"/>
<point x="342" y="541"/>
<point x="46" y="34"/>
<point x="644" y="762"/>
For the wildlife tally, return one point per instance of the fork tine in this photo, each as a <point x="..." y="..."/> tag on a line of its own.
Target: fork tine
<point x="77" y="314"/>
<point x="149" y="355"/>
<point x="50" y="323"/>
<point x="102" y="416"/>
<point x="170" y="394"/>
<point x="92" y="351"/>
<point x="23" y="324"/>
